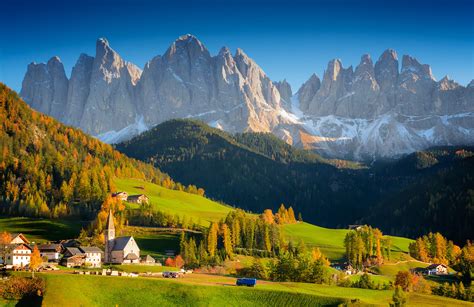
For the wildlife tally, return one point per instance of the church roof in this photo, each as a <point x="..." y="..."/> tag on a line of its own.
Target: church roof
<point x="121" y="242"/>
<point x="110" y="221"/>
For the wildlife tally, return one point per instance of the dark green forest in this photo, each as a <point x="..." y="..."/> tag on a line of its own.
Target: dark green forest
<point x="424" y="191"/>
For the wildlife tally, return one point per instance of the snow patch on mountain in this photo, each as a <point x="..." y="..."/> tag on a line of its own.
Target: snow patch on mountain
<point x="114" y="137"/>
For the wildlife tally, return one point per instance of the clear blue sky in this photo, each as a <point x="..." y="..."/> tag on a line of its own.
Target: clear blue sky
<point x="288" y="39"/>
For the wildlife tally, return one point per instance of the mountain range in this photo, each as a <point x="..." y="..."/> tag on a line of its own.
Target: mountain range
<point x="370" y="112"/>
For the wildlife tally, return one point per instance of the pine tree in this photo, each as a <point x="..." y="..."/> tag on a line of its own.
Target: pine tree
<point x="227" y="240"/>
<point x="212" y="239"/>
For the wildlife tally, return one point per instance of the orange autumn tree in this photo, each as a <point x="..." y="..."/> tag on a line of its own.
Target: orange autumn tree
<point x="178" y="261"/>
<point x="5" y="238"/>
<point x="35" y="260"/>
<point x="169" y="262"/>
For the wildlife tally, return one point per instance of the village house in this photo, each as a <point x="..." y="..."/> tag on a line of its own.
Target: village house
<point x="121" y="195"/>
<point x="17" y="255"/>
<point x="50" y="252"/>
<point x="73" y="257"/>
<point x="93" y="256"/>
<point x="119" y="250"/>
<point x="138" y="199"/>
<point x="436" y="269"/>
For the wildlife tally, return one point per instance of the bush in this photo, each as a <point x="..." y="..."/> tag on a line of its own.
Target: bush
<point x="17" y="288"/>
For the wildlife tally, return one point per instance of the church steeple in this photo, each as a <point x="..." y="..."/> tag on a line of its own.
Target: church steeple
<point x="109" y="236"/>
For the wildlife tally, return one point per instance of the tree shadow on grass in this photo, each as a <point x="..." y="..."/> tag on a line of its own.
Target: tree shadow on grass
<point x="30" y="301"/>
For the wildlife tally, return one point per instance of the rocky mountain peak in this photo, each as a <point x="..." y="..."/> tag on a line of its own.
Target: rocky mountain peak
<point x="285" y="91"/>
<point x="365" y="67"/>
<point x="308" y="90"/>
<point x="333" y="70"/>
<point x="410" y="65"/>
<point x="446" y="84"/>
<point x="386" y="72"/>
<point x="187" y="46"/>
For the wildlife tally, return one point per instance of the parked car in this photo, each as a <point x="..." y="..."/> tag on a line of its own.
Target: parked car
<point x="170" y="274"/>
<point x="249" y="282"/>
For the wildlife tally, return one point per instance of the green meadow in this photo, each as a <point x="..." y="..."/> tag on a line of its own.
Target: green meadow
<point x="210" y="290"/>
<point x="40" y="230"/>
<point x="202" y="210"/>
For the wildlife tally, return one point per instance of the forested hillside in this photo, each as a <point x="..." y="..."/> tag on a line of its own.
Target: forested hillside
<point x="251" y="171"/>
<point x="255" y="171"/>
<point x="434" y="191"/>
<point x="48" y="169"/>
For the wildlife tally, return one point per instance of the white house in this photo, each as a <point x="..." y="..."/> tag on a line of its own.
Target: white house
<point x="119" y="250"/>
<point x="51" y="252"/>
<point x="18" y="255"/>
<point x="437" y="269"/>
<point x="93" y="256"/>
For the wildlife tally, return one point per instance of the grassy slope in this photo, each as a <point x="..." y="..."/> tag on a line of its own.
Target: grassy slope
<point x="207" y="290"/>
<point x="38" y="230"/>
<point x="330" y="241"/>
<point x="176" y="202"/>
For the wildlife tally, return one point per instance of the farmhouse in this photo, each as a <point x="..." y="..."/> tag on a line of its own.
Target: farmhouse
<point x="93" y="256"/>
<point x="51" y="252"/>
<point x="138" y="199"/>
<point x="436" y="269"/>
<point x="119" y="250"/>
<point x="121" y="195"/>
<point x="73" y="257"/>
<point x="17" y="255"/>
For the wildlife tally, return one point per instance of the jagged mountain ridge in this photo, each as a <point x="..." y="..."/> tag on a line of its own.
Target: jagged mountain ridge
<point x="370" y="112"/>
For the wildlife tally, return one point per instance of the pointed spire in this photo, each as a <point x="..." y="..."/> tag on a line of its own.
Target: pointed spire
<point x="110" y="221"/>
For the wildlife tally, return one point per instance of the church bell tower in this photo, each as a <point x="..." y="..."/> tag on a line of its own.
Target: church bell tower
<point x="109" y="236"/>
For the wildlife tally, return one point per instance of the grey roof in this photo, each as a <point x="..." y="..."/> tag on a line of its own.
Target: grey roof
<point x="90" y="249"/>
<point x="121" y="242"/>
<point x="52" y="246"/>
<point x="131" y="256"/>
<point x="74" y="251"/>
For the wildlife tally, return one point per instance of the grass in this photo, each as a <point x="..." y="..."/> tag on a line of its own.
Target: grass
<point x="200" y="209"/>
<point x="41" y="230"/>
<point x="211" y="290"/>
<point x="393" y="269"/>
<point x="331" y="241"/>
<point x="79" y="290"/>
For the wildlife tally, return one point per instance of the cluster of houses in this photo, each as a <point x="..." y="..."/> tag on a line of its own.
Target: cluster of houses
<point x="69" y="253"/>
<point x="432" y="269"/>
<point x="137" y="199"/>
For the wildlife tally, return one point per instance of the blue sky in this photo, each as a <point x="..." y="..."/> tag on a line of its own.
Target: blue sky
<point x="288" y="39"/>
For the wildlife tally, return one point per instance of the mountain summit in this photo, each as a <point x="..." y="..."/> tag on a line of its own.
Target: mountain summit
<point x="372" y="111"/>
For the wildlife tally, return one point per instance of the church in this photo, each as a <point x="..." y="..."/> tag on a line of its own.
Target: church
<point x="120" y="250"/>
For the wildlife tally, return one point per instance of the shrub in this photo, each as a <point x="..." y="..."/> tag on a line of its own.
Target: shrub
<point x="17" y="288"/>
